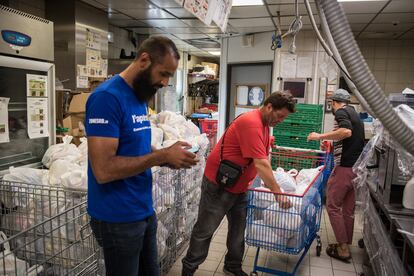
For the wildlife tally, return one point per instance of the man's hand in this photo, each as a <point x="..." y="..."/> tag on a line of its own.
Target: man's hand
<point x="177" y="156"/>
<point x="283" y="201"/>
<point x="314" y="136"/>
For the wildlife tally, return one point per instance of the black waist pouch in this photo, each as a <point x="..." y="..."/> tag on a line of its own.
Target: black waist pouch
<point x="228" y="174"/>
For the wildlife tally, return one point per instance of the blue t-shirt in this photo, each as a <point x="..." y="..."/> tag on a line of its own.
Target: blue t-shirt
<point x="113" y="110"/>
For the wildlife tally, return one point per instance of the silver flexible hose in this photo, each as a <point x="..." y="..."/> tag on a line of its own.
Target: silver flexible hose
<point x="362" y="76"/>
<point x="331" y="50"/>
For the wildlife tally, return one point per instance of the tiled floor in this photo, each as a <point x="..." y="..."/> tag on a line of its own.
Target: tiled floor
<point x="311" y="264"/>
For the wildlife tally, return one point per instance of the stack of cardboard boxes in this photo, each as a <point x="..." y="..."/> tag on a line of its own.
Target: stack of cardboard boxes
<point x="74" y="120"/>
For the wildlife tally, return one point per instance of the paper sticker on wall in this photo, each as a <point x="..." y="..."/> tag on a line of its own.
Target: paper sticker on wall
<point x="37" y="117"/>
<point x="288" y="66"/>
<point x="93" y="40"/>
<point x="82" y="82"/>
<point x="36" y="85"/>
<point x="93" y="59"/>
<point x="4" y="120"/>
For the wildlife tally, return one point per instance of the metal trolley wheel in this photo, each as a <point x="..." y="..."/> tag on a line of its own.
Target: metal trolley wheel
<point x="318" y="246"/>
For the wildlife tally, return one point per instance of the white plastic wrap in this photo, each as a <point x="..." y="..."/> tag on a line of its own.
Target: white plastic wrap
<point x="259" y="231"/>
<point x="65" y="150"/>
<point x="59" y="168"/>
<point x="283" y="221"/>
<point x="157" y="137"/>
<point x="162" y="235"/>
<point x="285" y="180"/>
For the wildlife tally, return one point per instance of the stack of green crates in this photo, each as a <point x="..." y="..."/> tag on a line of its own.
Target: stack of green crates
<point x="294" y="130"/>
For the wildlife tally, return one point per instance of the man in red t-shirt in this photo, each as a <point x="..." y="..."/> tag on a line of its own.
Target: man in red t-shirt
<point x="246" y="143"/>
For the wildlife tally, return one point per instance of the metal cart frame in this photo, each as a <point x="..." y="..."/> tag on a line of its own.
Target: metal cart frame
<point x="290" y="231"/>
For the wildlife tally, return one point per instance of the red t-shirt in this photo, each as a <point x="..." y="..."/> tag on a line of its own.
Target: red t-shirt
<point x="246" y="138"/>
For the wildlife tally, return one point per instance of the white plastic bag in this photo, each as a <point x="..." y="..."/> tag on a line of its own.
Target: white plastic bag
<point x="59" y="168"/>
<point x="75" y="180"/>
<point x="157" y="137"/>
<point x="285" y="180"/>
<point x="27" y="175"/>
<point x="11" y="265"/>
<point x="170" y="133"/>
<point x="283" y="221"/>
<point x="64" y="150"/>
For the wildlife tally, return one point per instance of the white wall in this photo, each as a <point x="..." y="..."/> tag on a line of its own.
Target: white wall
<point x="259" y="52"/>
<point x="121" y="41"/>
<point x="391" y="62"/>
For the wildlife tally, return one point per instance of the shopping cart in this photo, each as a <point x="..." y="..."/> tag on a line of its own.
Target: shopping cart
<point x="45" y="230"/>
<point x="292" y="230"/>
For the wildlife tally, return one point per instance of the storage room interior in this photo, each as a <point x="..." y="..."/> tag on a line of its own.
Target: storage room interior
<point x="57" y="56"/>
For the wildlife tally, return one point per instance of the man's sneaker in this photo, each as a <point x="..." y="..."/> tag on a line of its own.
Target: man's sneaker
<point x="238" y="272"/>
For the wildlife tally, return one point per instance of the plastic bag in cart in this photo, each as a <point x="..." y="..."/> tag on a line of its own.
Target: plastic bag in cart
<point x="11" y="265"/>
<point x="65" y="150"/>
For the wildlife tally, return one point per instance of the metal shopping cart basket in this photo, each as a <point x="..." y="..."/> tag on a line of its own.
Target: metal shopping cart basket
<point x="45" y="230"/>
<point x="292" y="230"/>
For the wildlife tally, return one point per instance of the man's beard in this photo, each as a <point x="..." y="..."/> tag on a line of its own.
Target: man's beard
<point x="143" y="86"/>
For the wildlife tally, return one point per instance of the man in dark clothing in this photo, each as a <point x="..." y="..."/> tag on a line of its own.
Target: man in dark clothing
<point x="348" y="136"/>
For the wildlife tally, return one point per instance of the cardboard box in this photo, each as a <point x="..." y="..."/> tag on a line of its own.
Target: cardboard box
<point x="73" y="121"/>
<point x="213" y="66"/>
<point x="78" y="103"/>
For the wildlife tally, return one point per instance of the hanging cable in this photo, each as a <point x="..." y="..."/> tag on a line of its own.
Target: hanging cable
<point x="294" y="28"/>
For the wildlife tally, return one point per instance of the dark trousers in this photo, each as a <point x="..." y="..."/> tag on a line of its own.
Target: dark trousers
<point x="130" y="249"/>
<point x="216" y="203"/>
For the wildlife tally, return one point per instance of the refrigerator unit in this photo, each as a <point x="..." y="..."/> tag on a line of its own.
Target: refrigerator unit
<point x="27" y="87"/>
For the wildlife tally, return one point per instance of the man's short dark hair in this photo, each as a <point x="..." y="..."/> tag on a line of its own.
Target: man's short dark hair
<point x="158" y="47"/>
<point x="281" y="100"/>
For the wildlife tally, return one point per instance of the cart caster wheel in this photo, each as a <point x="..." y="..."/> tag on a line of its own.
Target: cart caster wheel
<point x="253" y="273"/>
<point x="361" y="244"/>
<point x="318" y="250"/>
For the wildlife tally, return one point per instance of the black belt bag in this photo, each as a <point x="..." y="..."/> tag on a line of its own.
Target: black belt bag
<point x="228" y="172"/>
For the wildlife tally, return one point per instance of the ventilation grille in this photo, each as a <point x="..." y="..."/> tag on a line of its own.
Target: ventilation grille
<point x="203" y="43"/>
<point x="33" y="17"/>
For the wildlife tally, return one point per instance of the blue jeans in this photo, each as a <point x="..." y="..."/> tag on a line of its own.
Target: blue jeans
<point x="130" y="249"/>
<point x="216" y="203"/>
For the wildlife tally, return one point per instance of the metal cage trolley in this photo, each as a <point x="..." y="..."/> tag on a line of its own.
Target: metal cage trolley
<point x="292" y="230"/>
<point x="45" y="231"/>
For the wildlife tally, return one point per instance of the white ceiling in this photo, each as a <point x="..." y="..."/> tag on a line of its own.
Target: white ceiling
<point x="391" y="19"/>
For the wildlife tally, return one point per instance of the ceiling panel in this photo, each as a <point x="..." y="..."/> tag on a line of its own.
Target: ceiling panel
<point x="360" y="18"/>
<point x="357" y="27"/>
<point x="409" y="35"/>
<point x="283" y="1"/>
<point x="377" y="35"/>
<point x="244" y="12"/>
<point x="165" y="23"/>
<point x="395" y="17"/>
<point x="363" y="7"/>
<point x="127" y="23"/>
<point x="254" y="22"/>
<point x="147" y="13"/>
<point x="117" y="16"/>
<point x="180" y="12"/>
<point x="125" y="4"/>
<point x="164" y="3"/>
<point x="191" y="36"/>
<point x="144" y="30"/>
<point x="96" y="4"/>
<point x="289" y="9"/>
<point x="389" y="27"/>
<point x="400" y="6"/>
<point x="247" y="30"/>
<point x="195" y="23"/>
<point x="185" y="30"/>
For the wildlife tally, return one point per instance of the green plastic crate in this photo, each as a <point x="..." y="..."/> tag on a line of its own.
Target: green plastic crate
<point x="288" y="163"/>
<point x="295" y="140"/>
<point x="311" y="113"/>
<point x="296" y="127"/>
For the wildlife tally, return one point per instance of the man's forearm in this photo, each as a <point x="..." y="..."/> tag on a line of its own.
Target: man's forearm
<point x="120" y="167"/>
<point x="339" y="134"/>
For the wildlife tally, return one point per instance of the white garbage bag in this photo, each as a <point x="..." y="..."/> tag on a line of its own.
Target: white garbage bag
<point x="75" y="180"/>
<point x="59" y="168"/>
<point x="283" y="221"/>
<point x="64" y="150"/>
<point x="285" y="180"/>
<point x="170" y="133"/>
<point x="157" y="137"/>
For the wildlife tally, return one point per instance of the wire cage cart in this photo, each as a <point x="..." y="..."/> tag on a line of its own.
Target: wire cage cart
<point x="45" y="231"/>
<point x="176" y="196"/>
<point x="292" y="230"/>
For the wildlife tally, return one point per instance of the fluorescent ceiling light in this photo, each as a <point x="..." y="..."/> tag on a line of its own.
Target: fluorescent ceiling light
<point x="361" y="0"/>
<point x="215" y="53"/>
<point x="247" y="3"/>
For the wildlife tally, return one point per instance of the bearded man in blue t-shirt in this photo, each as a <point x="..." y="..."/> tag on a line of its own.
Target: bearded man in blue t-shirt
<point x="120" y="160"/>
